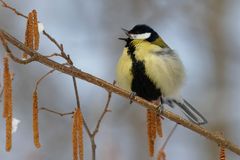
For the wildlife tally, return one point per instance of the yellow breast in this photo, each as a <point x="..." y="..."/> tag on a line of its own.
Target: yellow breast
<point x="123" y="73"/>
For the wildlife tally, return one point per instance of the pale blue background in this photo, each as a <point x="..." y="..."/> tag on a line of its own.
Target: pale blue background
<point x="204" y="33"/>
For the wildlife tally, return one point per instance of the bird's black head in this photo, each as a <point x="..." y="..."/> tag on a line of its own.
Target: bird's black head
<point x="143" y="31"/>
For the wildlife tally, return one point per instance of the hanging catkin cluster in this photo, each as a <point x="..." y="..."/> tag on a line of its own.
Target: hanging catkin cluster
<point x="31" y="33"/>
<point x="161" y="155"/>
<point x="35" y="120"/>
<point x="7" y="94"/>
<point x="77" y="135"/>
<point x="154" y="127"/>
<point x="222" y="155"/>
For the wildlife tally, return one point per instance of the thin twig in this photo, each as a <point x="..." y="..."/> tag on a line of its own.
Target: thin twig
<point x="92" y="137"/>
<point x="60" y="47"/>
<point x="44" y="76"/>
<point x="104" y="112"/>
<point x="14" y="58"/>
<point x="54" y="55"/>
<point x="53" y="40"/>
<point x="78" y="105"/>
<point x="4" y="4"/>
<point x="169" y="136"/>
<point x="55" y="112"/>
<point x="72" y="71"/>
<point x="69" y="61"/>
<point x="20" y="61"/>
<point x="76" y="92"/>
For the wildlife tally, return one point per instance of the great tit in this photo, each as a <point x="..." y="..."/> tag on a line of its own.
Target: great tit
<point x="152" y="70"/>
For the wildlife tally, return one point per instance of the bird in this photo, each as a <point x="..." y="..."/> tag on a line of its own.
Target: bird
<point x="150" y="69"/>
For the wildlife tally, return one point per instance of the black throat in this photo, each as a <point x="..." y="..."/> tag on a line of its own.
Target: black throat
<point x="141" y="83"/>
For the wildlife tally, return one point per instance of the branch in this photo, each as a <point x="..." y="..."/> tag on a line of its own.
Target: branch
<point x="60" y="47"/>
<point x="104" y="112"/>
<point x="54" y="55"/>
<point x="53" y="40"/>
<point x="72" y="71"/>
<point x="14" y="58"/>
<point x="20" y="61"/>
<point x="78" y="105"/>
<point x="44" y="76"/>
<point x="4" y="4"/>
<point x="69" y="62"/>
<point x="169" y="136"/>
<point x="55" y="112"/>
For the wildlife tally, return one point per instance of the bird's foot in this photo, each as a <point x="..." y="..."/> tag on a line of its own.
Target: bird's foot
<point x="132" y="96"/>
<point x="160" y="110"/>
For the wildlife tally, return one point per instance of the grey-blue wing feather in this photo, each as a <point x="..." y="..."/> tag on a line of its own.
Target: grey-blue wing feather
<point x="189" y="111"/>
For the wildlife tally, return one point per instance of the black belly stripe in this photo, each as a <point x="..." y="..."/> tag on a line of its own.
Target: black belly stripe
<point x="141" y="83"/>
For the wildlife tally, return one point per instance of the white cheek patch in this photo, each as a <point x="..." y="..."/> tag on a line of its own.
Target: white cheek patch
<point x="140" y="36"/>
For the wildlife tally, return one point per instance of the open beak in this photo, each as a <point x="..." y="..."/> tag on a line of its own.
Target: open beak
<point x="126" y="32"/>
<point x="123" y="39"/>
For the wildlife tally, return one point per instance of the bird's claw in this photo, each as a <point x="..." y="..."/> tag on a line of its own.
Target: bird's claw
<point x="160" y="110"/>
<point x="132" y="96"/>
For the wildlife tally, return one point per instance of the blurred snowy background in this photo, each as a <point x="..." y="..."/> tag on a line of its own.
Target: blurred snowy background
<point x="205" y="33"/>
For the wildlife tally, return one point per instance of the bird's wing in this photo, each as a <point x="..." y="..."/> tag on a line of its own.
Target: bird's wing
<point x="165" y="69"/>
<point x="165" y="51"/>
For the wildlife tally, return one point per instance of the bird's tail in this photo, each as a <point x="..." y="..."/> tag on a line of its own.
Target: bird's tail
<point x="189" y="111"/>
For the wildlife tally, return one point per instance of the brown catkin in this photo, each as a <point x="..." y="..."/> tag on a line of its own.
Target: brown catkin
<point x="9" y="130"/>
<point x="161" y="155"/>
<point x="29" y="33"/>
<point x="150" y="129"/>
<point x="151" y="144"/>
<point x="7" y="112"/>
<point x="222" y="155"/>
<point x="159" y="126"/>
<point x="154" y="124"/>
<point x="80" y="133"/>
<point x="77" y="135"/>
<point x="30" y="30"/>
<point x="7" y="90"/>
<point x="74" y="136"/>
<point x="35" y="120"/>
<point x="35" y="30"/>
